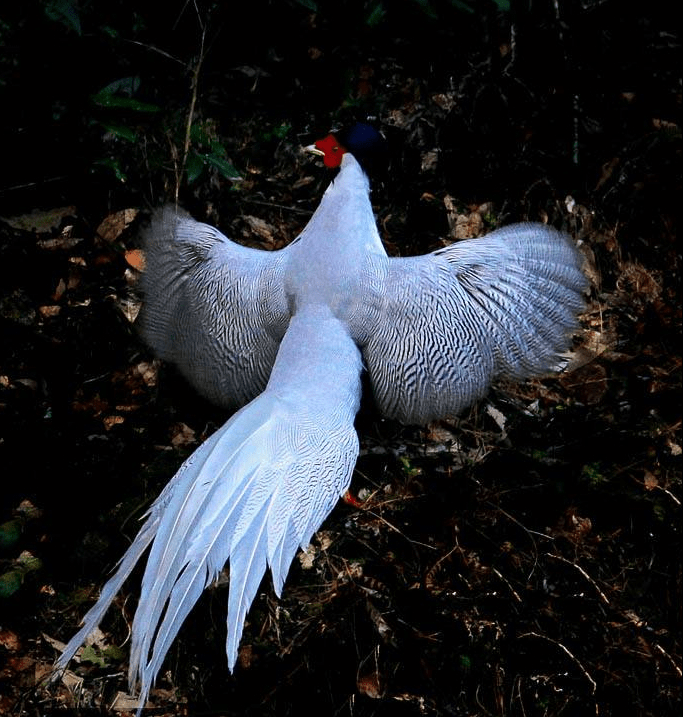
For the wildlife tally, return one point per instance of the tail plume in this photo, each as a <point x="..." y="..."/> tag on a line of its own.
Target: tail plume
<point x="252" y="494"/>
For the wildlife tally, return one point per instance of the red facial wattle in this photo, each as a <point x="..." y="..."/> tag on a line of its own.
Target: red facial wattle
<point x="332" y="151"/>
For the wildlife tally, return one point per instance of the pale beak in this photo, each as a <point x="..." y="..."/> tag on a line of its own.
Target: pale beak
<point x="314" y="150"/>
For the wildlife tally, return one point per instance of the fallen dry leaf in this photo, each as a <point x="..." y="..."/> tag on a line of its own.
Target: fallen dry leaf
<point x="39" y="220"/>
<point x="588" y="383"/>
<point x="9" y="640"/>
<point x="650" y="481"/>
<point x="136" y="259"/>
<point x="148" y="371"/>
<point x="124" y="702"/>
<point x="259" y="227"/>
<point x="59" y="290"/>
<point x="464" y="225"/>
<point x="307" y="557"/>
<point x="49" y="311"/>
<point x="129" y="307"/>
<point x="111" y="421"/>
<point x="429" y="160"/>
<point x="111" y="227"/>
<point x="56" y="644"/>
<point x="57" y="243"/>
<point x="369" y="686"/>
<point x="183" y="435"/>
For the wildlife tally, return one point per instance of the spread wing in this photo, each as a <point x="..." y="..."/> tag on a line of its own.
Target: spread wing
<point x="212" y="307"/>
<point x="453" y="321"/>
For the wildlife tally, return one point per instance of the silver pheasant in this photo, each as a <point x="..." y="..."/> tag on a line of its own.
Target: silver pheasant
<point x="290" y="332"/>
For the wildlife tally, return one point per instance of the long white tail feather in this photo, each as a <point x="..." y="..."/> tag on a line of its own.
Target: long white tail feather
<point x="94" y="616"/>
<point x="252" y="494"/>
<point x="185" y="520"/>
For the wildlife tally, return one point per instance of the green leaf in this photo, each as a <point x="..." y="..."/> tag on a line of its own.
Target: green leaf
<point x="110" y="31"/>
<point x="594" y="472"/>
<point x="104" y="99"/>
<point x="10" y="582"/>
<point x="64" y="12"/>
<point x="127" y="86"/>
<point x="281" y="131"/>
<point x="113" y="653"/>
<point x="463" y="6"/>
<point x="28" y="562"/>
<point x="194" y="167"/>
<point x="114" y="166"/>
<point x="427" y="8"/>
<point x="10" y="532"/>
<point x="223" y="167"/>
<point x="93" y="655"/>
<point x="408" y="468"/>
<point x="121" y="131"/>
<point x="102" y="657"/>
<point x="198" y="134"/>
<point x="375" y="15"/>
<point x="218" y="149"/>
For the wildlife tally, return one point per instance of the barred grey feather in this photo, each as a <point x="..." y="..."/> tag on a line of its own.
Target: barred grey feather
<point x="215" y="309"/>
<point x="454" y="321"/>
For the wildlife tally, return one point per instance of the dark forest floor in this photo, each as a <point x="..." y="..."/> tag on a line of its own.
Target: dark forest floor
<point x="522" y="560"/>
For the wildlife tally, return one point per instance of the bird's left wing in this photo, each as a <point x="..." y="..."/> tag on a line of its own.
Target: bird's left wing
<point x="214" y="308"/>
<point x="453" y="321"/>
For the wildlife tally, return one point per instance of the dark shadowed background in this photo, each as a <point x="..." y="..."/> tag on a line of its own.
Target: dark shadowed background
<point x="524" y="559"/>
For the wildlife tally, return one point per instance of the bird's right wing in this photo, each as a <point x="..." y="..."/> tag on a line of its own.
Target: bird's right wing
<point x="215" y="309"/>
<point x="453" y="321"/>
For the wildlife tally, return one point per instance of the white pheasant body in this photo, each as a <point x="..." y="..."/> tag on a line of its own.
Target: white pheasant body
<point x="290" y="331"/>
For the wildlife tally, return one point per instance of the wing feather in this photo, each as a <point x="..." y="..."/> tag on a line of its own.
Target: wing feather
<point x="454" y="321"/>
<point x="212" y="307"/>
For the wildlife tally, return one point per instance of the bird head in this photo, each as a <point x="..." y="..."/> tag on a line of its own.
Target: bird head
<point x="361" y="140"/>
